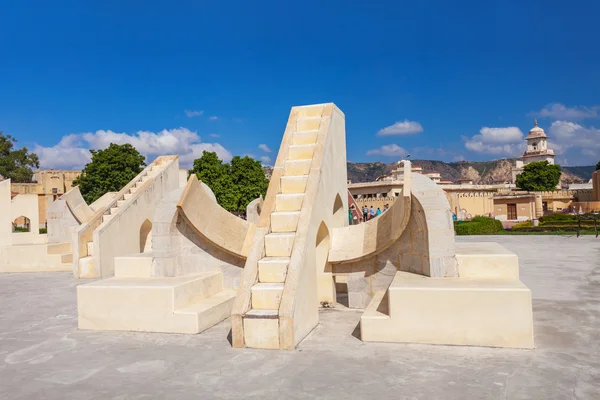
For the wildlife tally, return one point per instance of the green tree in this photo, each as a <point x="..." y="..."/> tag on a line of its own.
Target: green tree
<point x="110" y="170"/>
<point x="234" y="185"/>
<point x="16" y="165"/>
<point x="598" y="166"/>
<point x="539" y="176"/>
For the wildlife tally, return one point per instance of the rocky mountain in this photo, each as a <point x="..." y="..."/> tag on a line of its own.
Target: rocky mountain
<point x="482" y="172"/>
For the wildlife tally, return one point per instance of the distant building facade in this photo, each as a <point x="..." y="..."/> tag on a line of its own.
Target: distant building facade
<point x="537" y="150"/>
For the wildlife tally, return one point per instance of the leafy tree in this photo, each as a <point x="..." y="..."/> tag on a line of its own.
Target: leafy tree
<point x="235" y="185"/>
<point x="598" y="166"/>
<point x="110" y="170"/>
<point x="16" y="164"/>
<point x="539" y="176"/>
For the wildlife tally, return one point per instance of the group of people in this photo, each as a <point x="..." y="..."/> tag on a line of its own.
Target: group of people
<point x="370" y="212"/>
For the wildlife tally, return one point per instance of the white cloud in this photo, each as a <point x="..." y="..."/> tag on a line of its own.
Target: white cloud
<point x="389" y="150"/>
<point x="405" y="127"/>
<point x="215" y="135"/>
<point x="567" y="135"/>
<point x="560" y="111"/>
<point x="213" y="118"/>
<point x="497" y="141"/>
<point x="264" y="148"/>
<point x="72" y="150"/>
<point x="265" y="159"/>
<point x="191" y="113"/>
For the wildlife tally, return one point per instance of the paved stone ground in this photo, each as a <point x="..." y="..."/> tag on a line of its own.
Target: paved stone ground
<point x="44" y="356"/>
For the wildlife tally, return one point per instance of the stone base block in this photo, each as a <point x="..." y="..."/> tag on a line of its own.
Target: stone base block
<point x="451" y="311"/>
<point x="185" y="304"/>
<point x="486" y="261"/>
<point x="134" y="266"/>
<point x="35" y="258"/>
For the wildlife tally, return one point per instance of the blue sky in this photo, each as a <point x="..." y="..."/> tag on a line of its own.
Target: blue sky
<point x="441" y="80"/>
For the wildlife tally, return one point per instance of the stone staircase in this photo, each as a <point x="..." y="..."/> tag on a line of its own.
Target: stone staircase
<point x="184" y="304"/>
<point x="86" y="263"/>
<point x="261" y="326"/>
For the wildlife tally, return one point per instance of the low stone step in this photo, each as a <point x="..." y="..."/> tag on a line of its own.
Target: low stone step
<point x="134" y="266"/>
<point x="211" y="310"/>
<point x="297" y="167"/>
<point x="90" y="248"/>
<point x="284" y="221"/>
<point x="279" y="244"/>
<point x="289" y="201"/>
<point x="308" y="123"/>
<point x="306" y="137"/>
<point x="139" y="184"/>
<point x="294" y="184"/>
<point x="58" y="248"/>
<point x="127" y="196"/>
<point x="86" y="267"/>
<point x="261" y="329"/>
<point x="106" y="217"/>
<point x="266" y="296"/>
<point x="114" y="210"/>
<point x="273" y="269"/>
<point x="66" y="258"/>
<point x="301" y="151"/>
<point x="120" y="202"/>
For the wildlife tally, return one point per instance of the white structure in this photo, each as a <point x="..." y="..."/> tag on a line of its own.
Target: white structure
<point x="537" y="150"/>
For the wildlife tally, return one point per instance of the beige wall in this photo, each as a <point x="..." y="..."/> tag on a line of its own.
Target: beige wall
<point x="525" y="208"/>
<point x="596" y="186"/>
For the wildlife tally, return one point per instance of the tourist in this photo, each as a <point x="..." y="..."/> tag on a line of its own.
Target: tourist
<point x="371" y="213"/>
<point x="365" y="212"/>
<point x="378" y="213"/>
<point x="386" y="207"/>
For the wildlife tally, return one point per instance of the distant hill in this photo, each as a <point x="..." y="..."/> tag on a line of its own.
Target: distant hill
<point x="482" y="172"/>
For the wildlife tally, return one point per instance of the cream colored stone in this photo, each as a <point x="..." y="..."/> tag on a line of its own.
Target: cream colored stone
<point x="302" y="151"/>
<point x="279" y="244"/>
<point x="308" y="123"/>
<point x="134" y="266"/>
<point x="293" y="184"/>
<point x="259" y="332"/>
<point x="310" y="111"/>
<point x="289" y="201"/>
<point x="266" y="296"/>
<point x="306" y="137"/>
<point x="486" y="261"/>
<point x="284" y="221"/>
<point x="86" y="268"/>
<point x="451" y="311"/>
<point x="297" y="167"/>
<point x="273" y="269"/>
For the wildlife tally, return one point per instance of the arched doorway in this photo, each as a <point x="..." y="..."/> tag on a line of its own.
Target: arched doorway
<point x="21" y="224"/>
<point x="339" y="215"/>
<point x="146" y="237"/>
<point x="325" y="285"/>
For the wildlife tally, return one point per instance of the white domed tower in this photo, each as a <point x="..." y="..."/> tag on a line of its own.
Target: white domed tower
<point x="537" y="150"/>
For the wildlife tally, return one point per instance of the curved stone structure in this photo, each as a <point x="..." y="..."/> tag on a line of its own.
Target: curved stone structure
<point x="357" y="242"/>
<point x="202" y="212"/>
<point x="79" y="208"/>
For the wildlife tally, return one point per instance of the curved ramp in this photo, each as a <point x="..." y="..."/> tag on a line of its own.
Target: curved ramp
<point x="77" y="205"/>
<point x="200" y="209"/>
<point x="356" y="242"/>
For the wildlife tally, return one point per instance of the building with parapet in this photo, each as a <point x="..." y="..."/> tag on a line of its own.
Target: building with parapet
<point x="537" y="150"/>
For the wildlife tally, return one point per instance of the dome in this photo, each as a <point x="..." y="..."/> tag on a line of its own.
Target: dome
<point x="536" y="132"/>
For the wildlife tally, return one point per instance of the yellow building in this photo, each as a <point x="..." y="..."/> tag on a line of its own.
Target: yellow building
<point x="48" y="185"/>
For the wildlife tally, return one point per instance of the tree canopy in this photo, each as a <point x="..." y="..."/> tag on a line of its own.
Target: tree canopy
<point x="109" y="171"/>
<point x="598" y="166"/>
<point x="234" y="184"/>
<point x="16" y="165"/>
<point x="539" y="176"/>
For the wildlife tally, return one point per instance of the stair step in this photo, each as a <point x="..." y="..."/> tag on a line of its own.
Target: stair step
<point x="297" y="167"/>
<point x="86" y="268"/>
<point x="66" y="258"/>
<point x="289" y="201"/>
<point x="132" y="190"/>
<point x="306" y="137"/>
<point x="284" y="221"/>
<point x="315" y="110"/>
<point x="114" y="210"/>
<point x="308" y="123"/>
<point x="273" y="269"/>
<point x="261" y="329"/>
<point x="134" y="266"/>
<point x="208" y="284"/>
<point x="139" y="184"/>
<point x="301" y="151"/>
<point x="120" y="203"/>
<point x="211" y="310"/>
<point x="127" y="196"/>
<point x="90" y="248"/>
<point x="106" y="217"/>
<point x="266" y="296"/>
<point x="279" y="244"/>
<point x="294" y="184"/>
